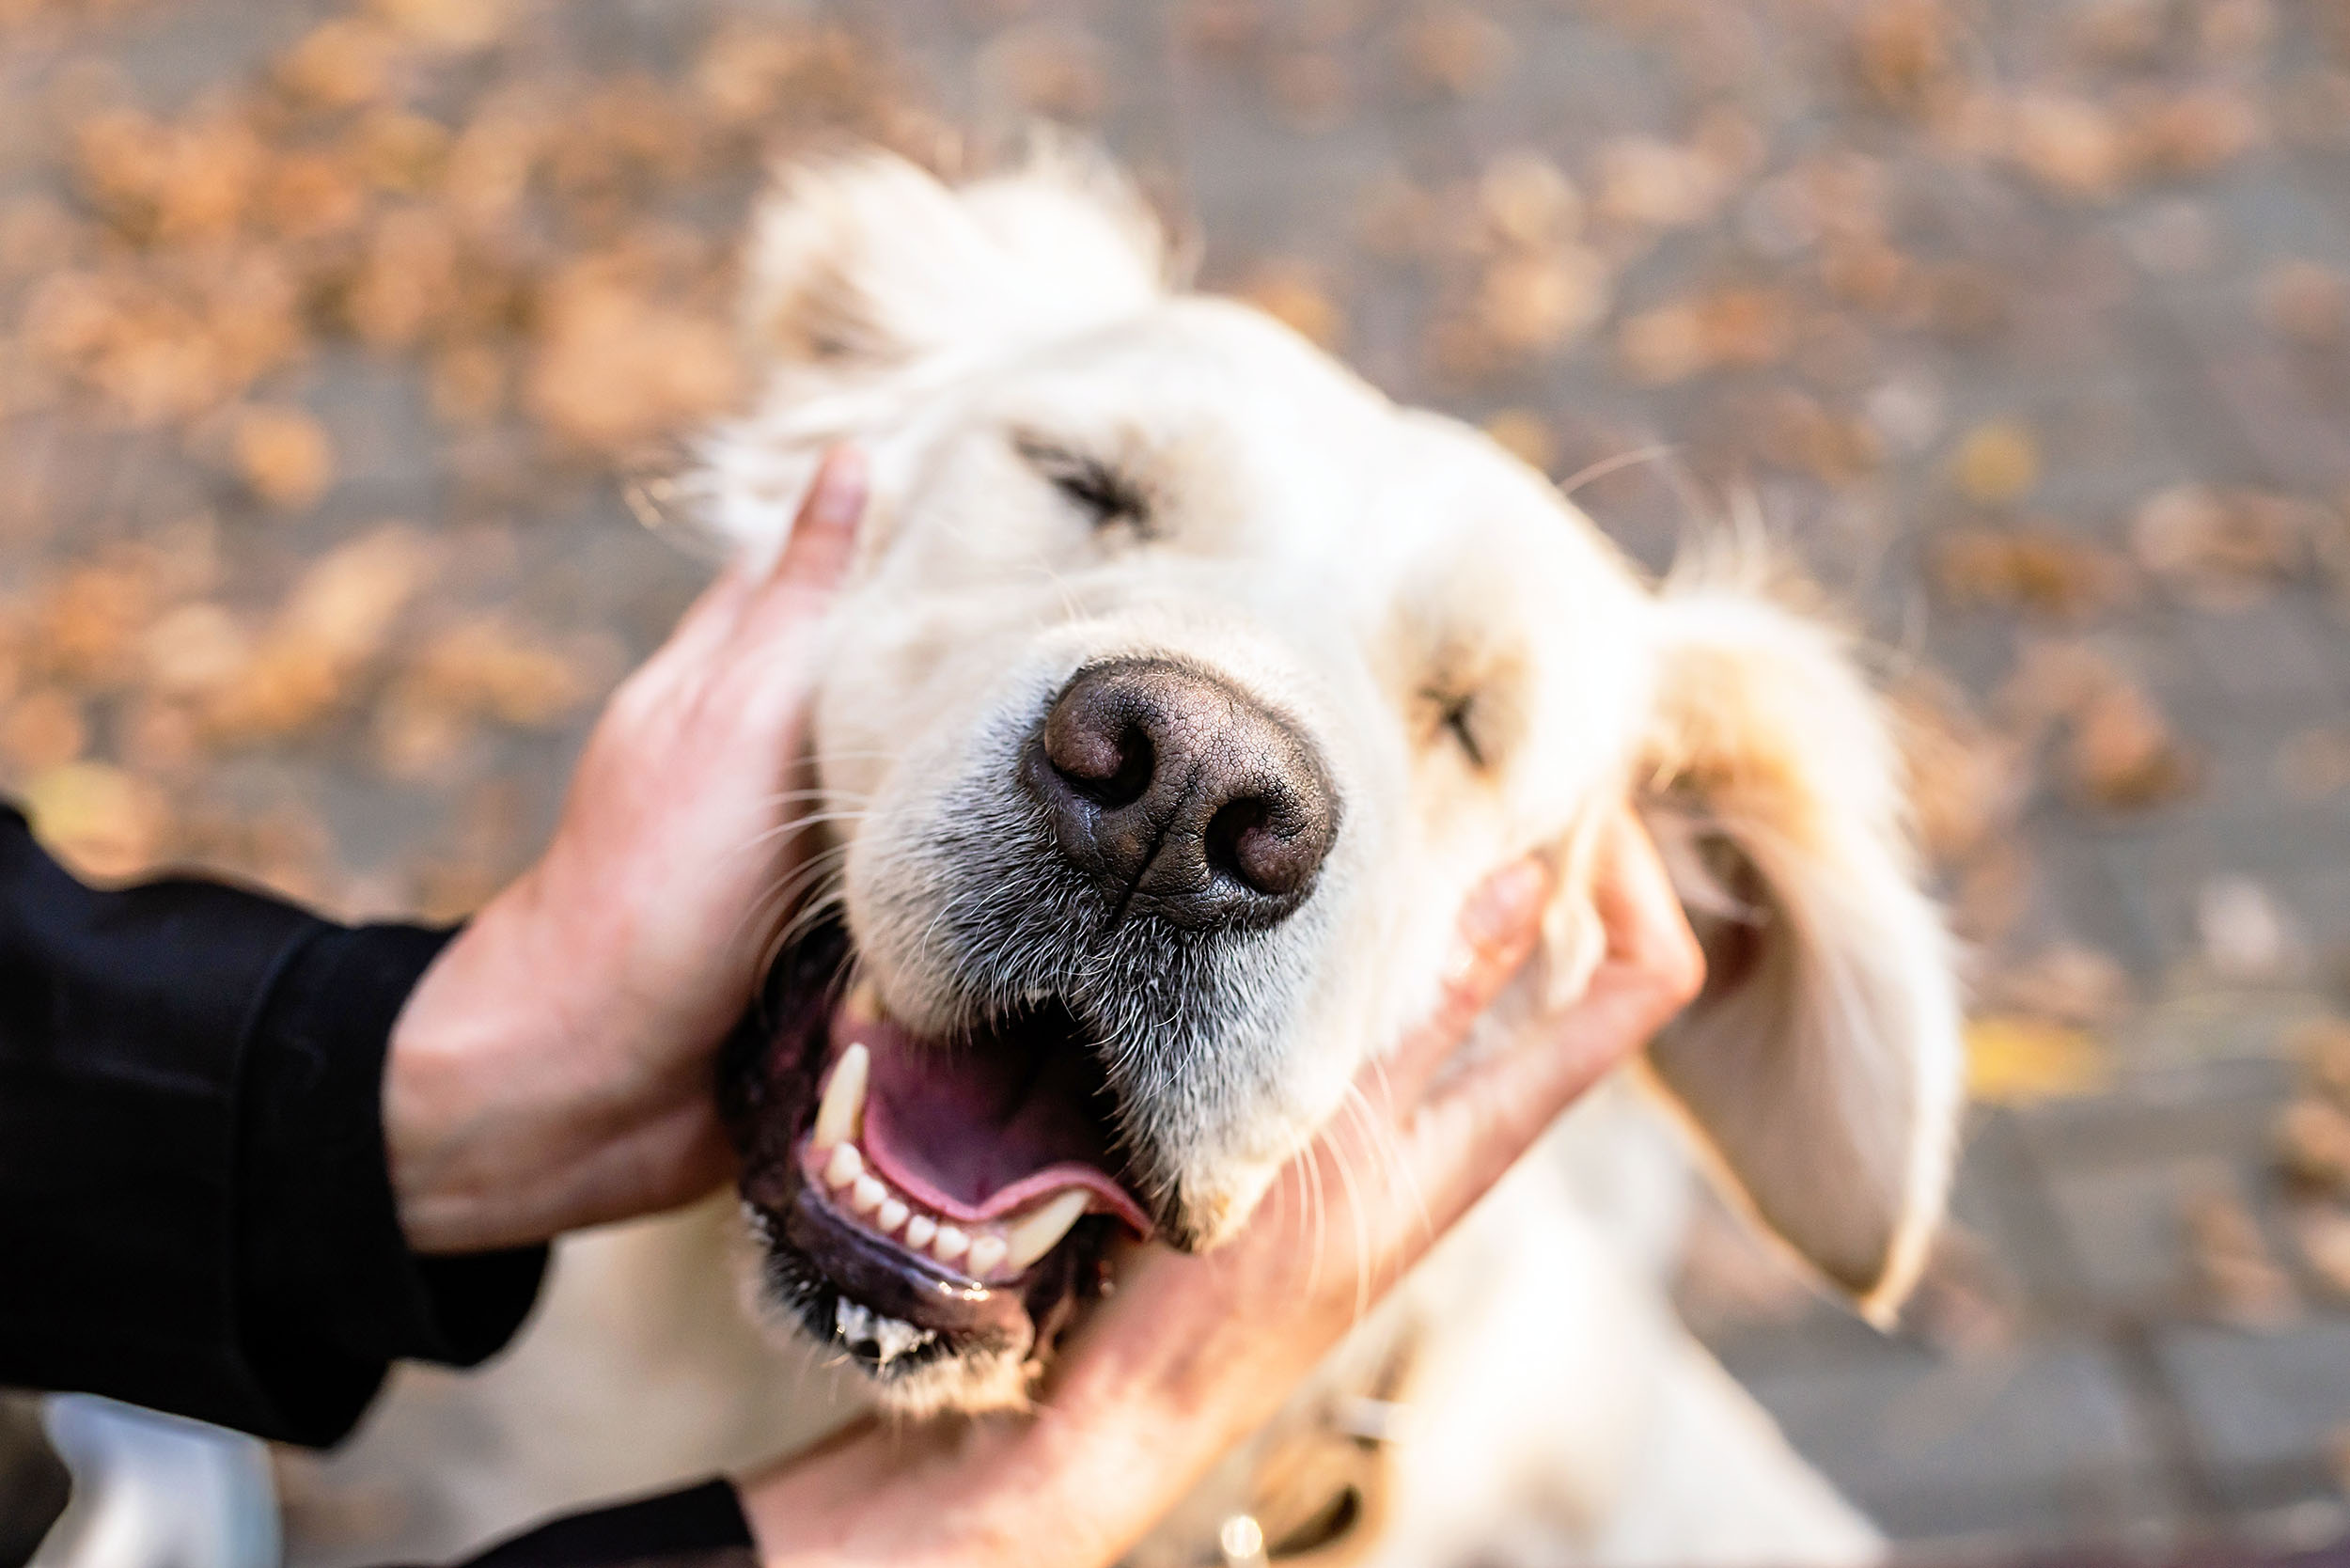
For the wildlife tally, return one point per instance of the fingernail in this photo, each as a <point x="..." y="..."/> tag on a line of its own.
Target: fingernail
<point x="1503" y="905"/>
<point x="840" y="489"/>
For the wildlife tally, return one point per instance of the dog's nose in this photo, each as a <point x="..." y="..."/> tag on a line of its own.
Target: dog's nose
<point x="1182" y="795"/>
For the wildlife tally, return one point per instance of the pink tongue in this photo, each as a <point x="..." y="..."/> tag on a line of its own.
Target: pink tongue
<point x="981" y="1129"/>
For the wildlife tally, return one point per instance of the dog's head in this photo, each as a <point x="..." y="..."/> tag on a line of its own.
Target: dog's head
<point x="1183" y="687"/>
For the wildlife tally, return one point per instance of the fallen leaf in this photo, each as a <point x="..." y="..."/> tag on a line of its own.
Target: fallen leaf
<point x="1297" y="295"/>
<point x="1997" y="463"/>
<point x="2017" y="1061"/>
<point x="1525" y="434"/>
<point x="2232" y="1276"/>
<point x="2306" y="303"/>
<point x="105" y="824"/>
<point x="2034" y="570"/>
<point x="284" y="456"/>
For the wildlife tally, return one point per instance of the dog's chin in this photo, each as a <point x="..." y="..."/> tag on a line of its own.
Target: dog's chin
<point x="935" y="1209"/>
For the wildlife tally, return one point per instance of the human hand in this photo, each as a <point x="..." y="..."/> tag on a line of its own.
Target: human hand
<point x="553" y="1067"/>
<point x="1192" y="1354"/>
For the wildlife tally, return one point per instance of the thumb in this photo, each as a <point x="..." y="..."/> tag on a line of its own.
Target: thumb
<point x="817" y="553"/>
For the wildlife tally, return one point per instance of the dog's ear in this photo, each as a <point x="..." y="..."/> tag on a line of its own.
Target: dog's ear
<point x="1822" y="1061"/>
<point x="862" y="264"/>
<point x="868" y="280"/>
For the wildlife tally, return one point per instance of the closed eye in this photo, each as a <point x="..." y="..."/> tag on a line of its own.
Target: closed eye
<point x="1105" y="495"/>
<point x="1456" y="714"/>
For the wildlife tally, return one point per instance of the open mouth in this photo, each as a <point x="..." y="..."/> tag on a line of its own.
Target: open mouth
<point x="926" y="1197"/>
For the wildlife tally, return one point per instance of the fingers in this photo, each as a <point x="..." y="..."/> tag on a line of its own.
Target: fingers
<point x="1496" y="933"/>
<point x="817" y="555"/>
<point x="1480" y="1123"/>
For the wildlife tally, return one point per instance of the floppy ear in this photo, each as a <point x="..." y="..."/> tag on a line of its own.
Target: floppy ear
<point x="1822" y="1060"/>
<point x="863" y="265"/>
<point x="868" y="280"/>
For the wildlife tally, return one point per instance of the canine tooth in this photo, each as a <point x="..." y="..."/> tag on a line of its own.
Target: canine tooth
<point x="1042" y="1228"/>
<point x="986" y="1252"/>
<point x="866" y="1193"/>
<point x="952" y="1242"/>
<point x="845" y="1165"/>
<point x="842" y="1111"/>
<point x="891" y="1214"/>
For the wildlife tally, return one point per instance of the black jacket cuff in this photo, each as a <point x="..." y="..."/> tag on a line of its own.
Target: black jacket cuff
<point x="701" y="1527"/>
<point x="333" y="1292"/>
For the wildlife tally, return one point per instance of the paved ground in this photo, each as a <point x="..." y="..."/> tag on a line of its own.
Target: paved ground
<point x="2027" y="323"/>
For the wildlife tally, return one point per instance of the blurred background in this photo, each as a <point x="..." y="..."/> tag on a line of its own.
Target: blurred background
<point x="343" y="350"/>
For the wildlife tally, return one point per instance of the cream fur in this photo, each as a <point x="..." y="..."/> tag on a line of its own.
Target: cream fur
<point x="1344" y="559"/>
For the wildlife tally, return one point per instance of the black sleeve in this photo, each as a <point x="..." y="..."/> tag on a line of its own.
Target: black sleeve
<point x="195" y="1213"/>
<point x="700" y="1527"/>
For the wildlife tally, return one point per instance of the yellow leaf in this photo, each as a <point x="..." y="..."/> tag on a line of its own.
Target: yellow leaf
<point x="2018" y="1060"/>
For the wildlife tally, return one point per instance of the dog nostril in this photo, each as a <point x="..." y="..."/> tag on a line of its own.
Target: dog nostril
<point x="1111" y="766"/>
<point x="1245" y="841"/>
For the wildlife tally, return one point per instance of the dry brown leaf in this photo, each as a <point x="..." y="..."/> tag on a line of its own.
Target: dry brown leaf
<point x="1643" y="182"/>
<point x="1312" y="90"/>
<point x="2311" y="1139"/>
<point x="2307" y="303"/>
<point x="1659" y="347"/>
<point x="197" y="651"/>
<point x="100" y="821"/>
<point x="1528" y="201"/>
<point x="1525" y="434"/>
<point x="1455" y="49"/>
<point x="2323" y="1047"/>
<point x="1050" y="69"/>
<point x="2074" y="147"/>
<point x="1537" y="301"/>
<point x="2233" y="1277"/>
<point x="2066" y="983"/>
<point x="41" y="728"/>
<point x="341" y="64"/>
<point x="2124" y="754"/>
<point x="2223" y="549"/>
<point x="1905" y="54"/>
<point x="332" y="627"/>
<point x="2323" y="1233"/>
<point x="2190" y="132"/>
<point x="284" y="456"/>
<point x="2034" y="569"/>
<point x="616" y="366"/>
<point x="1297" y="295"/>
<point x="1966" y="782"/>
<point x="1997" y="463"/>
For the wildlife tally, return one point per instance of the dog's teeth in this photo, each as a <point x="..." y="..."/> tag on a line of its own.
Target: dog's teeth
<point x="845" y="1165"/>
<point x="863" y="1004"/>
<point x="891" y="1214"/>
<point x="986" y="1252"/>
<point x="1042" y="1228"/>
<point x="951" y="1243"/>
<point x="920" y="1229"/>
<point x="866" y="1193"/>
<point x="842" y="1112"/>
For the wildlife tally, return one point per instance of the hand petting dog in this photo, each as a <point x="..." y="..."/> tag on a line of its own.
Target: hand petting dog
<point x="553" y="1068"/>
<point x="1193" y="1353"/>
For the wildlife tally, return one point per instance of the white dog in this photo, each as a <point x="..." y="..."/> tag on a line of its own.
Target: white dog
<point x="1183" y="688"/>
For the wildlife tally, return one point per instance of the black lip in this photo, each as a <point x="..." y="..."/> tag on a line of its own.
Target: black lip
<point x="769" y="1078"/>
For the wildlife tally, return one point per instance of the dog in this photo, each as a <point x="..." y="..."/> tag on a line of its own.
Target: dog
<point x="1182" y="688"/>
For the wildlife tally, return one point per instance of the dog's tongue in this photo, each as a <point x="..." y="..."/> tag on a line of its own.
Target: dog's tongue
<point x="983" y="1127"/>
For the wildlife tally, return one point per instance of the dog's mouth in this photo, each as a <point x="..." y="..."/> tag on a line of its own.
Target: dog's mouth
<point x="921" y="1196"/>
